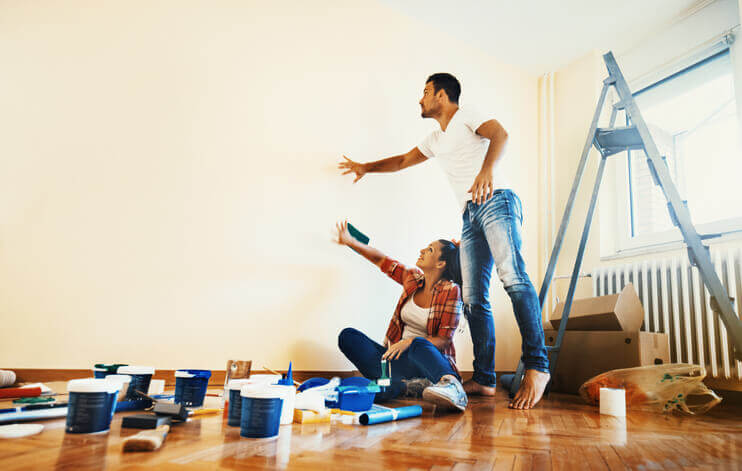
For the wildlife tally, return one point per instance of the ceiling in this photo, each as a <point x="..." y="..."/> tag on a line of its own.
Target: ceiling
<point x="543" y="35"/>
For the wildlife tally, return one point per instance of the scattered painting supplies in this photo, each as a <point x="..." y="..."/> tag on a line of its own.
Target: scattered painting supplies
<point x="310" y="400"/>
<point x="91" y="405"/>
<point x="305" y="416"/>
<point x="140" y="379"/>
<point x="102" y="370"/>
<point x="20" y="430"/>
<point x="380" y="414"/>
<point x="190" y="386"/>
<point x="234" y="403"/>
<point x="147" y="441"/>
<point x="261" y="411"/>
<point x="287" y="395"/>
<point x="613" y="402"/>
<point x="236" y="369"/>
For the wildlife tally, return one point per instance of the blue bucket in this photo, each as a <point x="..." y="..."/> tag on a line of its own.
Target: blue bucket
<point x="140" y="379"/>
<point x="261" y="412"/>
<point x="190" y="387"/>
<point x="91" y="405"/>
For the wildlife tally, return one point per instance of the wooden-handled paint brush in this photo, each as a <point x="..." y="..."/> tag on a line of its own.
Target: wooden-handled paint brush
<point x="150" y="440"/>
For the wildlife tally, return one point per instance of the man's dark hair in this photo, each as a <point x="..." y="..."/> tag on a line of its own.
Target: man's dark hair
<point x="448" y="83"/>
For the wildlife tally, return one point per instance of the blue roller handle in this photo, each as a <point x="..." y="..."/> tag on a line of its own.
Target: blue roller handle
<point x="379" y="417"/>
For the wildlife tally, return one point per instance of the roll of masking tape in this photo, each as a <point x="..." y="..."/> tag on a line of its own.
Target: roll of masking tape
<point x="613" y="402"/>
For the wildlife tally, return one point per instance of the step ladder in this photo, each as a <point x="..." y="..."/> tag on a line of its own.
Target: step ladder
<point x="613" y="140"/>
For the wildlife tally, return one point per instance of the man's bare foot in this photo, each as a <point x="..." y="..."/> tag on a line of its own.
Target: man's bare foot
<point x="531" y="389"/>
<point x="472" y="388"/>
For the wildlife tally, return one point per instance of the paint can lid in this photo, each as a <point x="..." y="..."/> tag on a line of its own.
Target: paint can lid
<point x="136" y="370"/>
<point x="193" y="374"/>
<point x="259" y="391"/>
<point x="92" y="385"/>
<point x="236" y="384"/>
<point x="265" y="378"/>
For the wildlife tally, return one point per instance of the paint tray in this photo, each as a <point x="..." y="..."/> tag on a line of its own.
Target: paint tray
<point x="355" y="394"/>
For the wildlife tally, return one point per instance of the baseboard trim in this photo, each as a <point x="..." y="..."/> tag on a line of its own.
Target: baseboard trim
<point x="40" y="375"/>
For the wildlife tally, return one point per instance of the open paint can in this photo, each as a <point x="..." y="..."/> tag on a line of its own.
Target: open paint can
<point x="140" y="378"/>
<point x="261" y="411"/>
<point x="91" y="405"/>
<point x="190" y="387"/>
<point x="122" y="381"/>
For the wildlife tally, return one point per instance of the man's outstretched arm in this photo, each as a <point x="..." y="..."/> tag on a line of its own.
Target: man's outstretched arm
<point x="391" y="164"/>
<point x="483" y="186"/>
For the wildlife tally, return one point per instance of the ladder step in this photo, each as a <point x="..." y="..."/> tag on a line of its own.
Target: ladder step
<point x="614" y="140"/>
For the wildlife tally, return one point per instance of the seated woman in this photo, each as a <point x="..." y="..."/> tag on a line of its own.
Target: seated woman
<point x="419" y="340"/>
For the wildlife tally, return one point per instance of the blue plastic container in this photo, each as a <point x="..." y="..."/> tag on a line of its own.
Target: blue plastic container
<point x="92" y="403"/>
<point x="190" y="387"/>
<point x="261" y="412"/>
<point x="140" y="378"/>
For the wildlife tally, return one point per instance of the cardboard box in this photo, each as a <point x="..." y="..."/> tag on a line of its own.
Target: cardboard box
<point x="622" y="311"/>
<point x="588" y="353"/>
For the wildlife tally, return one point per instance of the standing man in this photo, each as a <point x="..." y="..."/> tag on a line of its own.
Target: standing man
<point x="467" y="148"/>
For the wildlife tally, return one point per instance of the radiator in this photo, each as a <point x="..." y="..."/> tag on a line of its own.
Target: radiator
<point x="677" y="303"/>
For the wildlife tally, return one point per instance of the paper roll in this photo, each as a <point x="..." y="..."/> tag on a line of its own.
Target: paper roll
<point x="613" y="402"/>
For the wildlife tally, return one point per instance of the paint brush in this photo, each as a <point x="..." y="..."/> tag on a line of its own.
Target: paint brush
<point x="150" y="440"/>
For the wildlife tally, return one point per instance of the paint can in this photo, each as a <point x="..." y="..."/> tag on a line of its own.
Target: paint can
<point x="234" y="401"/>
<point x="122" y="381"/>
<point x="140" y="378"/>
<point x="261" y="411"/>
<point x="190" y="387"/>
<point x="91" y="405"/>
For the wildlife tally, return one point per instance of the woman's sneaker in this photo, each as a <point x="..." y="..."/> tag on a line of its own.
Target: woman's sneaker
<point x="448" y="392"/>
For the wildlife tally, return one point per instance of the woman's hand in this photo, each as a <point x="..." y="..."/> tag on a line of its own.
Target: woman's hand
<point x="397" y="349"/>
<point x="343" y="235"/>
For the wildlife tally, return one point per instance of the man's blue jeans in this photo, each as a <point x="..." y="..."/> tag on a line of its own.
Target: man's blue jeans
<point x="491" y="236"/>
<point x="421" y="360"/>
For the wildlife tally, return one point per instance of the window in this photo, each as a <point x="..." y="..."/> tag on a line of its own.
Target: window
<point x="693" y="119"/>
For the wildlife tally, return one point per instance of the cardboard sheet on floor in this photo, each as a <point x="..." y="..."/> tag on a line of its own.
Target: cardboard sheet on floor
<point x="615" y="312"/>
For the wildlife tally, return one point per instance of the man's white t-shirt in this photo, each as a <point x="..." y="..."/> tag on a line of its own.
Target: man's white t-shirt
<point x="415" y="320"/>
<point x="460" y="152"/>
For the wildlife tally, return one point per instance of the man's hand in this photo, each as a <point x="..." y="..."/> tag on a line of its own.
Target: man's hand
<point x="482" y="188"/>
<point x="397" y="349"/>
<point x="343" y="235"/>
<point x="353" y="167"/>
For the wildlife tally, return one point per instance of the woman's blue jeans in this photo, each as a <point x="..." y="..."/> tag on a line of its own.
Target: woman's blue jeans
<point x="491" y="236"/>
<point x="421" y="360"/>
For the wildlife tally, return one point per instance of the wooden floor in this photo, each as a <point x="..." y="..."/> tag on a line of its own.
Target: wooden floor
<point x="562" y="433"/>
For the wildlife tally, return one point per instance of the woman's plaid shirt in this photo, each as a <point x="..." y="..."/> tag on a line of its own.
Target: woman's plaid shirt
<point x="445" y="311"/>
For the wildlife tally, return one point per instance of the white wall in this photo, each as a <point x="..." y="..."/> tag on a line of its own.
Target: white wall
<point x="168" y="181"/>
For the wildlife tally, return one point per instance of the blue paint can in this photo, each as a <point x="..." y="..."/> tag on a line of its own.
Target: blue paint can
<point x="261" y="411"/>
<point x="140" y="378"/>
<point x="190" y="387"/>
<point x="234" y="402"/>
<point x="92" y="403"/>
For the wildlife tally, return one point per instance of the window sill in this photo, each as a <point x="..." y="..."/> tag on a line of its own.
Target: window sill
<point x="671" y="246"/>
